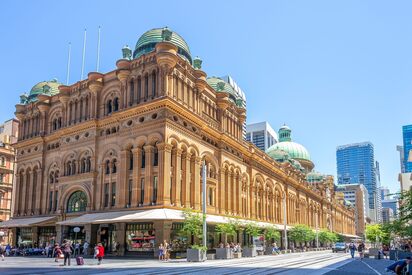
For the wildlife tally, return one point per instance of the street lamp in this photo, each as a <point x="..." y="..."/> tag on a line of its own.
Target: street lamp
<point x="317" y="230"/>
<point x="285" y="223"/>
<point x="204" y="203"/>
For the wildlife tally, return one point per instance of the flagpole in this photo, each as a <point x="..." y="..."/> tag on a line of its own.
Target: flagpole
<point x="68" y="64"/>
<point x="84" y="53"/>
<point x="98" y="51"/>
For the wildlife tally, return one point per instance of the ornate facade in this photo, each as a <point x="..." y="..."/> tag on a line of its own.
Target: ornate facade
<point x="133" y="140"/>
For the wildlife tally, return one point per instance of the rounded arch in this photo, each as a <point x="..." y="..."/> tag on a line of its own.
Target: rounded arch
<point x="210" y="157"/>
<point x="76" y="187"/>
<point x="77" y="202"/>
<point x="141" y="141"/>
<point x="154" y="138"/>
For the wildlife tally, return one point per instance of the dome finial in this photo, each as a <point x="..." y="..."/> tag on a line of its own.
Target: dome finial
<point x="197" y="63"/>
<point x="284" y="133"/>
<point x="166" y="34"/>
<point x="127" y="52"/>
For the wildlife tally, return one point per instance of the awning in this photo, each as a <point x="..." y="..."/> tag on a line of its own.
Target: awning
<point x="351" y="236"/>
<point x="150" y="215"/>
<point x="25" y="222"/>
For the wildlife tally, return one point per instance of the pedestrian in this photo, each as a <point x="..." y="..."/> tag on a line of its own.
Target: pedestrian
<point x="161" y="252"/>
<point x="2" y="252"/>
<point x="399" y="266"/>
<point x="352" y="249"/>
<point x="86" y="248"/>
<point x="8" y="249"/>
<point x="67" y="252"/>
<point x="166" y="246"/>
<point x="77" y="249"/>
<point x="275" y="249"/>
<point x="46" y="250"/>
<point x="100" y="254"/>
<point x="361" y="249"/>
<point x="57" y="252"/>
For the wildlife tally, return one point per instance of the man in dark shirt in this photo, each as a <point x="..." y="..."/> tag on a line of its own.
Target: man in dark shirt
<point x="398" y="266"/>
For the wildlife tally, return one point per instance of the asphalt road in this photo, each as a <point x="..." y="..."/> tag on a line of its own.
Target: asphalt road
<point x="310" y="263"/>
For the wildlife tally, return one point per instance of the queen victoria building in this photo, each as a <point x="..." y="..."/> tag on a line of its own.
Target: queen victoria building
<point x="119" y="156"/>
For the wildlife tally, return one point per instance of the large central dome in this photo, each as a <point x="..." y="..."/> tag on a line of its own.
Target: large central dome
<point x="147" y="43"/>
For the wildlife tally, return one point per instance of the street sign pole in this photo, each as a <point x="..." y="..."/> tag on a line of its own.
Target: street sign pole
<point x="285" y="223"/>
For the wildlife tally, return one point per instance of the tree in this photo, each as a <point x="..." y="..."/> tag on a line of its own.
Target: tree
<point x="253" y="230"/>
<point x="192" y="224"/>
<point x="301" y="233"/>
<point x="226" y="229"/>
<point x="374" y="233"/>
<point x="405" y="206"/>
<point x="327" y="237"/>
<point x="271" y="233"/>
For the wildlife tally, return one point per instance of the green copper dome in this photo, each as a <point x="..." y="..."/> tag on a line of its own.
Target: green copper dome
<point x="49" y="88"/>
<point x="220" y="85"/>
<point x="314" y="177"/>
<point x="147" y="43"/>
<point x="294" y="150"/>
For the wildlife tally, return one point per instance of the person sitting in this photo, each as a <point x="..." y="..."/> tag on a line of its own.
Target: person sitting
<point x="400" y="265"/>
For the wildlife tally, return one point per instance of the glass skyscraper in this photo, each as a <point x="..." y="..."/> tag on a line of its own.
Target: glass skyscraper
<point x="356" y="165"/>
<point x="407" y="148"/>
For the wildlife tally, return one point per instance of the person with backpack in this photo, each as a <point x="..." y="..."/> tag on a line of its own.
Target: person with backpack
<point x="361" y="249"/>
<point x="67" y="252"/>
<point x="352" y="249"/>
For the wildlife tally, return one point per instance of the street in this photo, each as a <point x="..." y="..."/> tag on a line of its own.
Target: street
<point x="310" y="263"/>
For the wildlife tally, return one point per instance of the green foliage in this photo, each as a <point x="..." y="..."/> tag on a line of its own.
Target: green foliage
<point x="397" y="228"/>
<point x="374" y="233"/>
<point x="252" y="229"/>
<point x="302" y="233"/>
<point x="271" y="233"/>
<point x="192" y="224"/>
<point x="199" y="247"/>
<point x="405" y="206"/>
<point x="340" y="238"/>
<point x="326" y="236"/>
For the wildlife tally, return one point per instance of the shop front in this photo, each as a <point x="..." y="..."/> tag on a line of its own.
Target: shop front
<point x="140" y="239"/>
<point x="24" y="237"/>
<point x="46" y="235"/>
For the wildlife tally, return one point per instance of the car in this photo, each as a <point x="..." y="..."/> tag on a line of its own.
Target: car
<point x="339" y="247"/>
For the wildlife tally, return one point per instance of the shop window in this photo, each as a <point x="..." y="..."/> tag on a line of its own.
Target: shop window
<point x="140" y="237"/>
<point x="113" y="200"/>
<point x="77" y="202"/>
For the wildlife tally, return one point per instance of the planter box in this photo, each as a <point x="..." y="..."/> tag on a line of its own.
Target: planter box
<point x="224" y="253"/>
<point x="249" y="252"/>
<point x="195" y="255"/>
<point x="268" y="251"/>
<point x="210" y="256"/>
<point x="237" y="255"/>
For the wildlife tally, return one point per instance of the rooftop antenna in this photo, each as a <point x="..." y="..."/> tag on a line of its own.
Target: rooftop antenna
<point x="68" y="64"/>
<point x="98" y="51"/>
<point x="84" y="53"/>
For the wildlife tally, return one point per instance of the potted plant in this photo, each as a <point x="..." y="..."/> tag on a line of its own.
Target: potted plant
<point x="253" y="231"/>
<point x="192" y="227"/>
<point x="225" y="229"/>
<point x="271" y="235"/>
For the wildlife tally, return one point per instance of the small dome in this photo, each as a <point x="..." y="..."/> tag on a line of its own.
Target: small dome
<point x="147" y="43"/>
<point x="278" y="155"/>
<point x="314" y="177"/>
<point x="219" y="85"/>
<point x="49" y="88"/>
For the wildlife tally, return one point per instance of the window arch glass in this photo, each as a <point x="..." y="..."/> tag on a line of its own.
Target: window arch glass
<point x="116" y="104"/>
<point x="77" y="202"/>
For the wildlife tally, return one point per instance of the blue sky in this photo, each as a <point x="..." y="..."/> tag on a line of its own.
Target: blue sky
<point x="336" y="72"/>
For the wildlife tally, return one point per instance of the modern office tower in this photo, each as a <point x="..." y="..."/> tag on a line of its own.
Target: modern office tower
<point x="407" y="148"/>
<point x="385" y="193"/>
<point x="387" y="214"/>
<point x="391" y="203"/>
<point x="261" y="134"/>
<point x="357" y="195"/>
<point x="399" y="148"/>
<point x="356" y="165"/>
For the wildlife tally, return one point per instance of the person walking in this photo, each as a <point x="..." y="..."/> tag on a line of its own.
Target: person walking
<point x="361" y="250"/>
<point x="161" y="252"/>
<point x="77" y="249"/>
<point x="352" y="249"/>
<point x="100" y="254"/>
<point x="8" y="249"/>
<point x="57" y="252"/>
<point x="67" y="252"/>
<point x="2" y="252"/>
<point x="85" y="248"/>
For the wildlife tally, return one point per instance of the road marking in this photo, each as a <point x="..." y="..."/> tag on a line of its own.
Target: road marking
<point x="377" y="272"/>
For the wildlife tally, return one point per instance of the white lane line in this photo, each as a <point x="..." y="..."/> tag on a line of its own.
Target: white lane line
<point x="377" y="272"/>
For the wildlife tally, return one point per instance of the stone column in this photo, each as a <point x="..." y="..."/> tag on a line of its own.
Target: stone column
<point x="40" y="192"/>
<point x="15" y="196"/>
<point x="122" y="183"/>
<point x="187" y="180"/>
<point x="163" y="195"/>
<point x="148" y="174"/>
<point x="221" y="191"/>
<point x="121" y="237"/>
<point x="229" y="196"/>
<point x="163" y="229"/>
<point x="177" y="188"/>
<point x="196" y="183"/>
<point x="137" y="163"/>
<point x="29" y="194"/>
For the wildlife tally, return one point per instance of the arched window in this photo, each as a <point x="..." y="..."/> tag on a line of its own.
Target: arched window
<point x="114" y="167"/>
<point x="143" y="159"/>
<point x="77" y="202"/>
<point x="56" y="176"/>
<point x="146" y="86"/>
<point x="59" y="123"/>
<point x="109" y="107"/>
<point x="131" y="160"/>
<point x="156" y="156"/>
<point x="83" y="166"/>
<point x="154" y="84"/>
<point x="51" y="177"/>
<point x="69" y="169"/>
<point x="88" y="164"/>
<point x="116" y="104"/>
<point x="131" y="92"/>
<point x="210" y="201"/>
<point x="107" y="167"/>
<point x="3" y="161"/>
<point x="73" y="167"/>
<point x="54" y="124"/>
